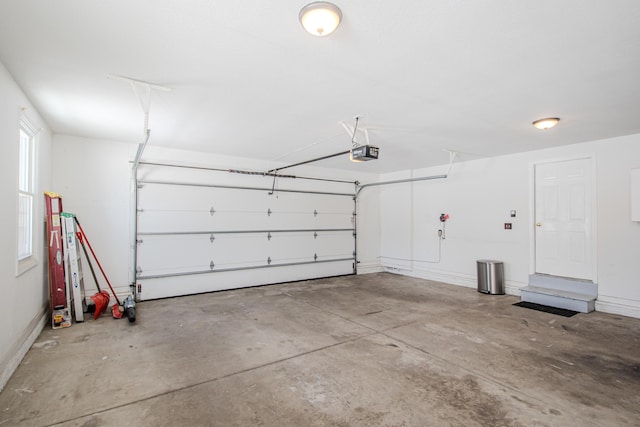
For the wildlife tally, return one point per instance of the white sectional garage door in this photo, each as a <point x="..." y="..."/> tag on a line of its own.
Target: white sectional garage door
<point x="200" y="231"/>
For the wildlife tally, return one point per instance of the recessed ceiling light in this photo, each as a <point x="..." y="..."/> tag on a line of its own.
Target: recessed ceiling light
<point x="547" y="123"/>
<point x="320" y="18"/>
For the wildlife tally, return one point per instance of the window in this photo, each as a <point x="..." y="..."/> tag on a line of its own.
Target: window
<point x="26" y="196"/>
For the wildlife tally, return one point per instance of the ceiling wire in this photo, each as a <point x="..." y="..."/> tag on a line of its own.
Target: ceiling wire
<point x="322" y="141"/>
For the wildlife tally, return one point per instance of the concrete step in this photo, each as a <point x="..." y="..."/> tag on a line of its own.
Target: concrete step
<point x="583" y="303"/>
<point x="567" y="284"/>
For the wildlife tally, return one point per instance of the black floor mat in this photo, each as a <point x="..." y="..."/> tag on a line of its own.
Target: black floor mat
<point x="547" y="309"/>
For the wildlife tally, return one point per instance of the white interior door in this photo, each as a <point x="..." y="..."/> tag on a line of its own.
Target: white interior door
<point x="564" y="218"/>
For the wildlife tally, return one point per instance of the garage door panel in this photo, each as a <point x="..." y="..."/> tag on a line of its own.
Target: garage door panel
<point x="162" y="253"/>
<point x="217" y="281"/>
<point x="335" y="243"/>
<point x="239" y="250"/>
<point x="291" y="247"/>
<point x="202" y="209"/>
<point x="201" y="238"/>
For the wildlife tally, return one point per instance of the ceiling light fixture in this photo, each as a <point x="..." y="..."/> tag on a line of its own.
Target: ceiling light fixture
<point x="547" y="123"/>
<point x="320" y="18"/>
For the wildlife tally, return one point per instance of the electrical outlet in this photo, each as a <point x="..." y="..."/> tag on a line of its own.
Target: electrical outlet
<point x="507" y="226"/>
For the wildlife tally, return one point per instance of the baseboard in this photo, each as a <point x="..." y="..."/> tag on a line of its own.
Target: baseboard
<point x="513" y="288"/>
<point x="621" y="306"/>
<point x="369" y="267"/>
<point x="393" y="264"/>
<point x="22" y="346"/>
<point x="122" y="292"/>
<point x="466" y="280"/>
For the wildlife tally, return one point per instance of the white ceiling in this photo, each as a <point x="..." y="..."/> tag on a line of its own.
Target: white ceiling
<point x="425" y="75"/>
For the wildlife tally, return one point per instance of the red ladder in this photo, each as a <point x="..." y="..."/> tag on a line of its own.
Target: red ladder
<point x="59" y="301"/>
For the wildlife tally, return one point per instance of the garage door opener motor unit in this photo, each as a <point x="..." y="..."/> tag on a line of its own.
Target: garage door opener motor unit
<point x="363" y="153"/>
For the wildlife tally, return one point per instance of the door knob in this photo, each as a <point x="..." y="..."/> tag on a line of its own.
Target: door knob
<point x="538" y="224"/>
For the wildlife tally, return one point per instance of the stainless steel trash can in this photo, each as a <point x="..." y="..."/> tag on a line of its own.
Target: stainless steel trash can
<point x="490" y="277"/>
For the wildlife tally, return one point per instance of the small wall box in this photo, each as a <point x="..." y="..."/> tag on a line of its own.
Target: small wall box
<point x="635" y="194"/>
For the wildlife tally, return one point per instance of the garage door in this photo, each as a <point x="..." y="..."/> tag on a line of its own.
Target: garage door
<point x="203" y="231"/>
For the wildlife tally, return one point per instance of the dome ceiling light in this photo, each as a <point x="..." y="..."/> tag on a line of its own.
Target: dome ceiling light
<point x="547" y="123"/>
<point x="320" y="18"/>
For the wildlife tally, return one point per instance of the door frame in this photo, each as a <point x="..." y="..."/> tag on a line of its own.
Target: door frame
<point x="594" y="210"/>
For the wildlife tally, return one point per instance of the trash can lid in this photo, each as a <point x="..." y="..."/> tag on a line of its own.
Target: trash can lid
<point x="489" y="261"/>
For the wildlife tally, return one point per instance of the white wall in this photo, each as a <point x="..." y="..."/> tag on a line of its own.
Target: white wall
<point x="25" y="297"/>
<point x="93" y="177"/>
<point x="479" y="196"/>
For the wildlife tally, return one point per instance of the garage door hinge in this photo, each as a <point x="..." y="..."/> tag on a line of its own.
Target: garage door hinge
<point x="212" y="211"/>
<point x="140" y="210"/>
<point x="269" y="261"/>
<point x="269" y="212"/>
<point x="139" y="241"/>
<point x="315" y="235"/>
<point x="315" y="212"/>
<point x="212" y="238"/>
<point x="211" y="265"/>
<point x="315" y="257"/>
<point x="269" y="235"/>
<point x="138" y="271"/>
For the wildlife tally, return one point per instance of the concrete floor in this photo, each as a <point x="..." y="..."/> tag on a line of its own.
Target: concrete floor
<point x="372" y="350"/>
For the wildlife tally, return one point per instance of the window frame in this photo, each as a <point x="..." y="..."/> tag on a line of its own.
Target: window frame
<point x="27" y="187"/>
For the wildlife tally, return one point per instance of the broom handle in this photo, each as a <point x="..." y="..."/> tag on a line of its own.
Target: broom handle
<point x="97" y="261"/>
<point x="86" y="255"/>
